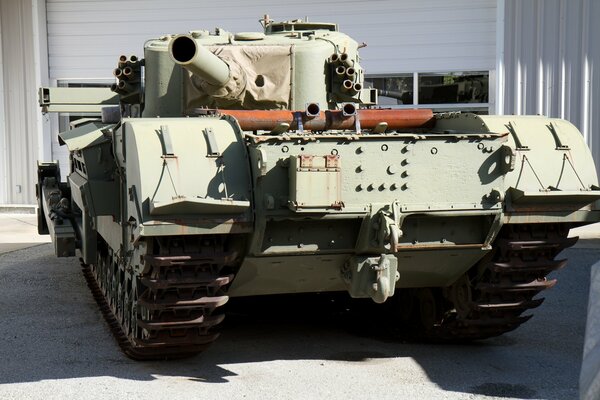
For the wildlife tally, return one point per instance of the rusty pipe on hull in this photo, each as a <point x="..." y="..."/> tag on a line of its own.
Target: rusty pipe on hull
<point x="266" y="120"/>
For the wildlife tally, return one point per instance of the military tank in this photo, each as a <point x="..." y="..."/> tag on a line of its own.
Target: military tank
<point x="234" y="165"/>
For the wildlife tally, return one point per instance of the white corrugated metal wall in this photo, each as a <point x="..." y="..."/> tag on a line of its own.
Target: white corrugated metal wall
<point x="545" y="52"/>
<point x="548" y="55"/>
<point x="21" y="142"/>
<point x="86" y="37"/>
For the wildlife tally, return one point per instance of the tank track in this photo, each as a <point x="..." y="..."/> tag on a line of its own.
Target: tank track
<point x="490" y="299"/>
<point x="168" y="311"/>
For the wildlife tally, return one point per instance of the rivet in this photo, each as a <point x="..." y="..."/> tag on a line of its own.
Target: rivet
<point x="392" y="169"/>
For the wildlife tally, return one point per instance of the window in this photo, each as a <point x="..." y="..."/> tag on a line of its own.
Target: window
<point x="393" y="90"/>
<point x="441" y="91"/>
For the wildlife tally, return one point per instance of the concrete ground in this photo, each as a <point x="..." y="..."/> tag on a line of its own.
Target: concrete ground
<point x="55" y="344"/>
<point x="18" y="231"/>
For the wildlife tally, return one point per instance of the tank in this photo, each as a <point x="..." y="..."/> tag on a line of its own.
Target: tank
<point x="257" y="163"/>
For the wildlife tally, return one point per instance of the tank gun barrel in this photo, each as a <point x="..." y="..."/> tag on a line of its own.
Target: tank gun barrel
<point x="188" y="53"/>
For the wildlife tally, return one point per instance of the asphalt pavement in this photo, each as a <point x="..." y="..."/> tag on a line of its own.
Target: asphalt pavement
<point x="55" y="344"/>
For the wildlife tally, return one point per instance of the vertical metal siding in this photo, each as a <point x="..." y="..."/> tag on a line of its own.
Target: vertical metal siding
<point x="550" y="48"/>
<point x="86" y="37"/>
<point x="40" y="51"/>
<point x="3" y="160"/>
<point x="20" y="150"/>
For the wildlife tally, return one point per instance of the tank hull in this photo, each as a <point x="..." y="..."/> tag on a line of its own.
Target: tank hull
<point x="257" y="172"/>
<point x="178" y="214"/>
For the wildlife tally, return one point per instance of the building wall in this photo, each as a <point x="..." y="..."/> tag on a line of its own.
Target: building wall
<point x="541" y="53"/>
<point x="86" y="37"/>
<point x="546" y="62"/>
<point x="21" y="134"/>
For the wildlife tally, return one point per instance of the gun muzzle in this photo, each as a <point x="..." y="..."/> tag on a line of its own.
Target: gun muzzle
<point x="185" y="51"/>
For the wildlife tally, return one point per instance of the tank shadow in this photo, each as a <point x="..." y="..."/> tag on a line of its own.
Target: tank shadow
<point x="52" y="330"/>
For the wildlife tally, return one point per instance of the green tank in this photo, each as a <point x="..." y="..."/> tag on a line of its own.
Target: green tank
<point x="234" y="165"/>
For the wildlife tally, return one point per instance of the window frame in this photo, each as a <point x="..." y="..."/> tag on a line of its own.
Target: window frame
<point x="484" y="108"/>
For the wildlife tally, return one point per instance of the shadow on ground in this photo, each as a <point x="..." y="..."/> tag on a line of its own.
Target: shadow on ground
<point x="51" y="329"/>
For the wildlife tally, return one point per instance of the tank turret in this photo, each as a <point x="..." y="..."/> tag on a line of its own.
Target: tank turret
<point x="289" y="65"/>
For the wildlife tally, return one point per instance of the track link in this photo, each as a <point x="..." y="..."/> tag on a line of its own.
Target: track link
<point x="168" y="311"/>
<point x="490" y="299"/>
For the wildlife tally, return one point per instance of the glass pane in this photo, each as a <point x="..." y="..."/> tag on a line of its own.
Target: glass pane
<point x="453" y="87"/>
<point x="393" y="90"/>
<point x="87" y="84"/>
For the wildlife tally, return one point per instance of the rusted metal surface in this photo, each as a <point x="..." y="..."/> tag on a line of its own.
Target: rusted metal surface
<point x="173" y="309"/>
<point x="267" y="120"/>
